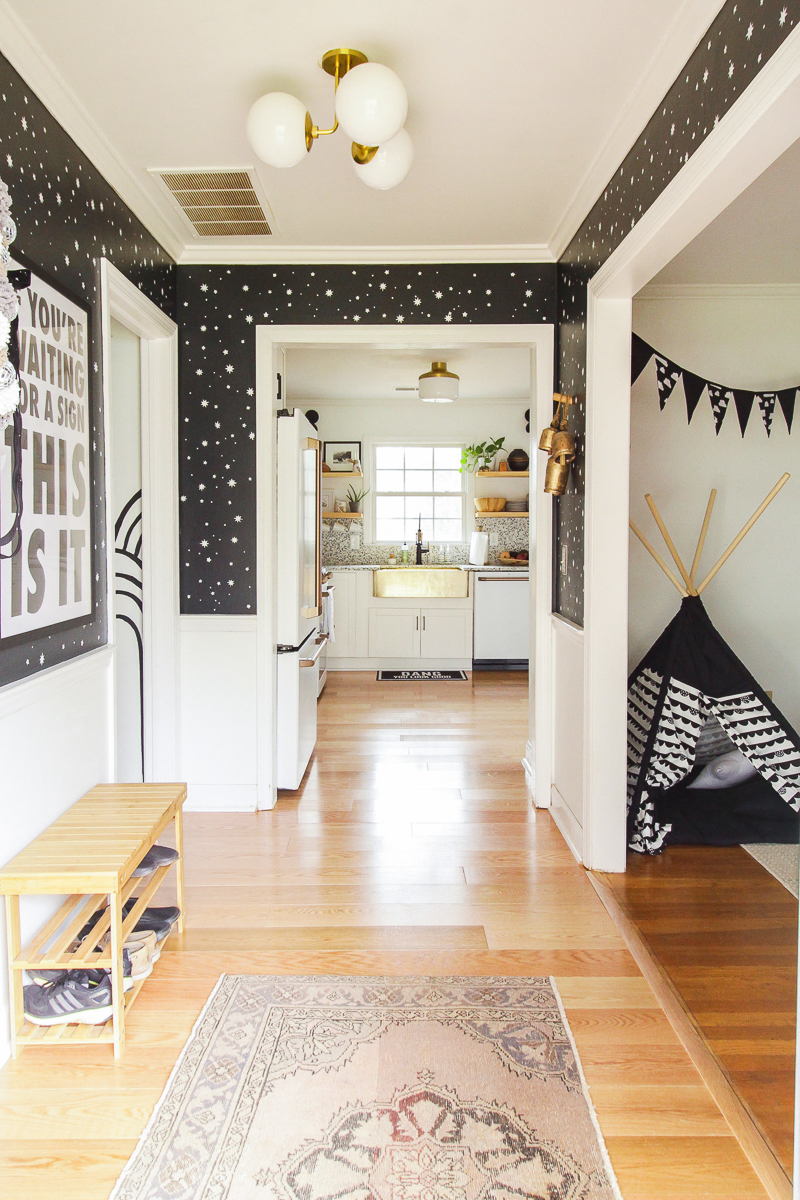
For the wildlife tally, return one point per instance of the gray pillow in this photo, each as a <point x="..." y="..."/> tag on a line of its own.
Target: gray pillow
<point x="725" y="771"/>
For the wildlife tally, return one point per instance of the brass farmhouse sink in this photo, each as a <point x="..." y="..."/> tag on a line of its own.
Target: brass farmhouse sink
<point x="425" y="582"/>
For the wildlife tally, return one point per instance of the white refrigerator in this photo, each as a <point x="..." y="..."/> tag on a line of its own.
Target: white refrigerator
<point x="299" y="589"/>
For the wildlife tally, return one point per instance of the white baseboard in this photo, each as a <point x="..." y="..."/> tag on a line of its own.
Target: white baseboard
<point x="399" y="664"/>
<point x="530" y="778"/>
<point x="569" y="828"/>
<point x="221" y="798"/>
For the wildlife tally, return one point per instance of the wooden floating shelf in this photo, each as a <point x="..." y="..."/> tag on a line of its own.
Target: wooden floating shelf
<point x="481" y="516"/>
<point x="503" y="474"/>
<point x="342" y="516"/>
<point x="342" y="475"/>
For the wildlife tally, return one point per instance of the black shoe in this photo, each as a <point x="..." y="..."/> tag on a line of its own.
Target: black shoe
<point x="157" y="856"/>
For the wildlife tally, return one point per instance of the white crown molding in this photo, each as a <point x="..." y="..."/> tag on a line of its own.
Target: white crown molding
<point x="43" y="78"/>
<point x="244" y="255"/>
<point x="690" y="24"/>
<point x="718" y="291"/>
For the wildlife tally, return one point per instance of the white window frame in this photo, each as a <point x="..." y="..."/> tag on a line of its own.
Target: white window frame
<point x="389" y="441"/>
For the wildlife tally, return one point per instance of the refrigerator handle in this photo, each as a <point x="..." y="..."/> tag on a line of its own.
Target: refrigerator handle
<point x="316" y="446"/>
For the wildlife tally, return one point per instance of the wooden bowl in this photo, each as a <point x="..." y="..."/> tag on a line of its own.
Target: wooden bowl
<point x="490" y="503"/>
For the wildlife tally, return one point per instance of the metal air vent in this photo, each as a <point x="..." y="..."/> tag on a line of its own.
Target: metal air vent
<point x="218" y="203"/>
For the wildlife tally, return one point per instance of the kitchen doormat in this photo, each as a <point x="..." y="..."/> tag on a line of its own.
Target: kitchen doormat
<point x="323" y="1087"/>
<point x="782" y="861"/>
<point x="423" y="676"/>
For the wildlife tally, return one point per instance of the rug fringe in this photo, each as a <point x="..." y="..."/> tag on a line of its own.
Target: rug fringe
<point x="612" y="1178"/>
<point x="159" y="1103"/>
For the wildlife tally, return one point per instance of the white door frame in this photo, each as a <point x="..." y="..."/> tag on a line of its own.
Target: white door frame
<point x="272" y="340"/>
<point x="158" y="336"/>
<point x="763" y="122"/>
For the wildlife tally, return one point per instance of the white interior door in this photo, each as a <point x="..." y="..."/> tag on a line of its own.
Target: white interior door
<point x="126" y="475"/>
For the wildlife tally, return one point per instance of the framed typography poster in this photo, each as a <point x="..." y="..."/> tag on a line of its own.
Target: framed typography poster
<point x="48" y="583"/>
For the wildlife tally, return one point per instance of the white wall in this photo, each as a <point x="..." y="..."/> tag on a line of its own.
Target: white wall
<point x="55" y="744"/>
<point x="749" y="341"/>
<point x="466" y="422"/>
<point x="219" y="713"/>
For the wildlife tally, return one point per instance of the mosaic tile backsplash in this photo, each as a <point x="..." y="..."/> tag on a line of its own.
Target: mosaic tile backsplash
<point x="337" y="551"/>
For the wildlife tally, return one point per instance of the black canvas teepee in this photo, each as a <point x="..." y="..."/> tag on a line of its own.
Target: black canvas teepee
<point x="688" y="677"/>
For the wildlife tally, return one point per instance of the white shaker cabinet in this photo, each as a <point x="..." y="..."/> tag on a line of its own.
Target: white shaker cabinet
<point x="394" y="632"/>
<point x="445" y="633"/>
<point x="344" y="615"/>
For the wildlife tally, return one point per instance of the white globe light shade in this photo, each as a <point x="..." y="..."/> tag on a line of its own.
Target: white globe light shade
<point x="391" y="163"/>
<point x="371" y="104"/>
<point x="438" y="386"/>
<point x="276" y="129"/>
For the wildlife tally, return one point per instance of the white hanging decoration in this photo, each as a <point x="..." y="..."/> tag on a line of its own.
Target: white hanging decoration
<point x="9" y="308"/>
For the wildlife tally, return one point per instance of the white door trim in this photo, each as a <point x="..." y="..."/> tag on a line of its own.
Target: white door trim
<point x="272" y="340"/>
<point x="763" y="122"/>
<point x="123" y="301"/>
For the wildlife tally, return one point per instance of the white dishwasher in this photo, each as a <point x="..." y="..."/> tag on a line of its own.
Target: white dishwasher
<point x="501" y="625"/>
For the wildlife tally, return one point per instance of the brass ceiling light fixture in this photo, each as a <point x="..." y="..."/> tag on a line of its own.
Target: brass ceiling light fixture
<point x="371" y="106"/>
<point x="438" y="386"/>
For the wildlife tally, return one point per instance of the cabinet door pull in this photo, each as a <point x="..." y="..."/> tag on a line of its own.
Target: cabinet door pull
<point x="423" y="624"/>
<point x="417" y="623"/>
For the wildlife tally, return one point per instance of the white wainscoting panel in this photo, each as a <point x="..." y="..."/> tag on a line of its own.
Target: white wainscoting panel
<point x="218" y="713"/>
<point x="567" y="783"/>
<point x="56" y="742"/>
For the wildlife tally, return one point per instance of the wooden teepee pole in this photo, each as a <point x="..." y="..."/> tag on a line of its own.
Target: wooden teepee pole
<point x="743" y="531"/>
<point x="651" y="504"/>
<point x="701" y="541"/>
<point x="659" y="560"/>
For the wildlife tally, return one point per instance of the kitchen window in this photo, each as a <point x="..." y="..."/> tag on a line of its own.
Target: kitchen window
<point x="413" y="482"/>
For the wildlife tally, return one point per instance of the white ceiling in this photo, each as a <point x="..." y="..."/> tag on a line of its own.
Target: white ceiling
<point x="519" y="110"/>
<point x="755" y="240"/>
<point x="359" y="375"/>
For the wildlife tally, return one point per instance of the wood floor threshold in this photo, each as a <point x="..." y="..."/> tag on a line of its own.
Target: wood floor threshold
<point x="741" y="1119"/>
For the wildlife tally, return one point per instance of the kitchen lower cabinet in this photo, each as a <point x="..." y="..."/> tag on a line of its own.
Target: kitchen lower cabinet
<point x="445" y="633"/>
<point x="394" y="632"/>
<point x="344" y="615"/>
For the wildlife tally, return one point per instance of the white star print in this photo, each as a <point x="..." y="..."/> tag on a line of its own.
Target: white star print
<point x="417" y="300"/>
<point x="237" y="518"/>
<point x="183" y="498"/>
<point x="201" y="487"/>
<point x="529" y="293"/>
<point x="217" y="425"/>
<point x="203" y="403"/>
<point x="250" y="391"/>
<point x="251" y="436"/>
<point x="249" y="319"/>
<point x="400" y="319"/>
<point x="230" y="583"/>
<point x="231" y="483"/>
<point x="749" y="33"/>
<point x="730" y="70"/>
<point x="329" y="292"/>
<point x="234" y="540"/>
<point x="438" y="295"/>
<point x="203" y="287"/>
<point x="66" y="259"/>
<point x="705" y="75"/>
<point x="41" y="660"/>
<point x="783" y="16"/>
<point x="199" y="371"/>
<point x="10" y="162"/>
<point x="229" y="368"/>
<point x="356" y="318"/>
<point x="204" y="543"/>
<point x="24" y="123"/>
<point x="448" y="316"/>
<point x="245" y="287"/>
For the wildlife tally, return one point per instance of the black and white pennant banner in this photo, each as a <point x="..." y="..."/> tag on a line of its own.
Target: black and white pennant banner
<point x="721" y="398"/>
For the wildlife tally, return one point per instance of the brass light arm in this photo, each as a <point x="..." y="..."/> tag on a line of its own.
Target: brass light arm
<point x="336" y="63"/>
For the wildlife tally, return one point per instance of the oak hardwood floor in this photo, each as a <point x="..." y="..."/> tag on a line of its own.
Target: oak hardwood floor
<point x="725" y="932"/>
<point x="412" y="847"/>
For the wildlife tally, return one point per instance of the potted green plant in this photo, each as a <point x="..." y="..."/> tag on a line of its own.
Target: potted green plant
<point x="355" y="497"/>
<point x="480" y="456"/>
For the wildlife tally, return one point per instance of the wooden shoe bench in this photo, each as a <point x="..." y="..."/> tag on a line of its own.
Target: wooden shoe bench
<point x="91" y="852"/>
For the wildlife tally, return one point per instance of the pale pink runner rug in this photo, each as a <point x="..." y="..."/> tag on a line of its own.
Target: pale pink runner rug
<point x="336" y="1088"/>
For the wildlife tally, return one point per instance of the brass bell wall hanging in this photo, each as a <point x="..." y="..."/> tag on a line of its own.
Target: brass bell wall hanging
<point x="559" y="444"/>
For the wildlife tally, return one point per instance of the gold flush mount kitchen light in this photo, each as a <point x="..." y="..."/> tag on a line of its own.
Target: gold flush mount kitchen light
<point x="438" y="386"/>
<point x="370" y="104"/>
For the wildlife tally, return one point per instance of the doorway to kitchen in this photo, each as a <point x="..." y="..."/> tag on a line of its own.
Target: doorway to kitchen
<point x="409" y="627"/>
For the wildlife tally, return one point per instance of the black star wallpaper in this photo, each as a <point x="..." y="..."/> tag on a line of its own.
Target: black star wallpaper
<point x="742" y="39"/>
<point x="218" y="310"/>
<point x="67" y="218"/>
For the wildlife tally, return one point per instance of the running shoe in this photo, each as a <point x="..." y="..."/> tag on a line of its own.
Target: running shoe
<point x="157" y="856"/>
<point x="73" y="999"/>
<point x="137" y="963"/>
<point x="157" y="920"/>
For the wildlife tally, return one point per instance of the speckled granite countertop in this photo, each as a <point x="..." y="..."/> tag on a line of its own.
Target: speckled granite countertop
<point x="459" y="566"/>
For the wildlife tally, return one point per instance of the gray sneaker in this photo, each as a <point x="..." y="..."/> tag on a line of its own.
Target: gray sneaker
<point x="157" y="856"/>
<point x="73" y="999"/>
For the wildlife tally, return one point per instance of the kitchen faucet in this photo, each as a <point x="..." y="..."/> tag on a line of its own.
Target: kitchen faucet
<point x="420" y="549"/>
